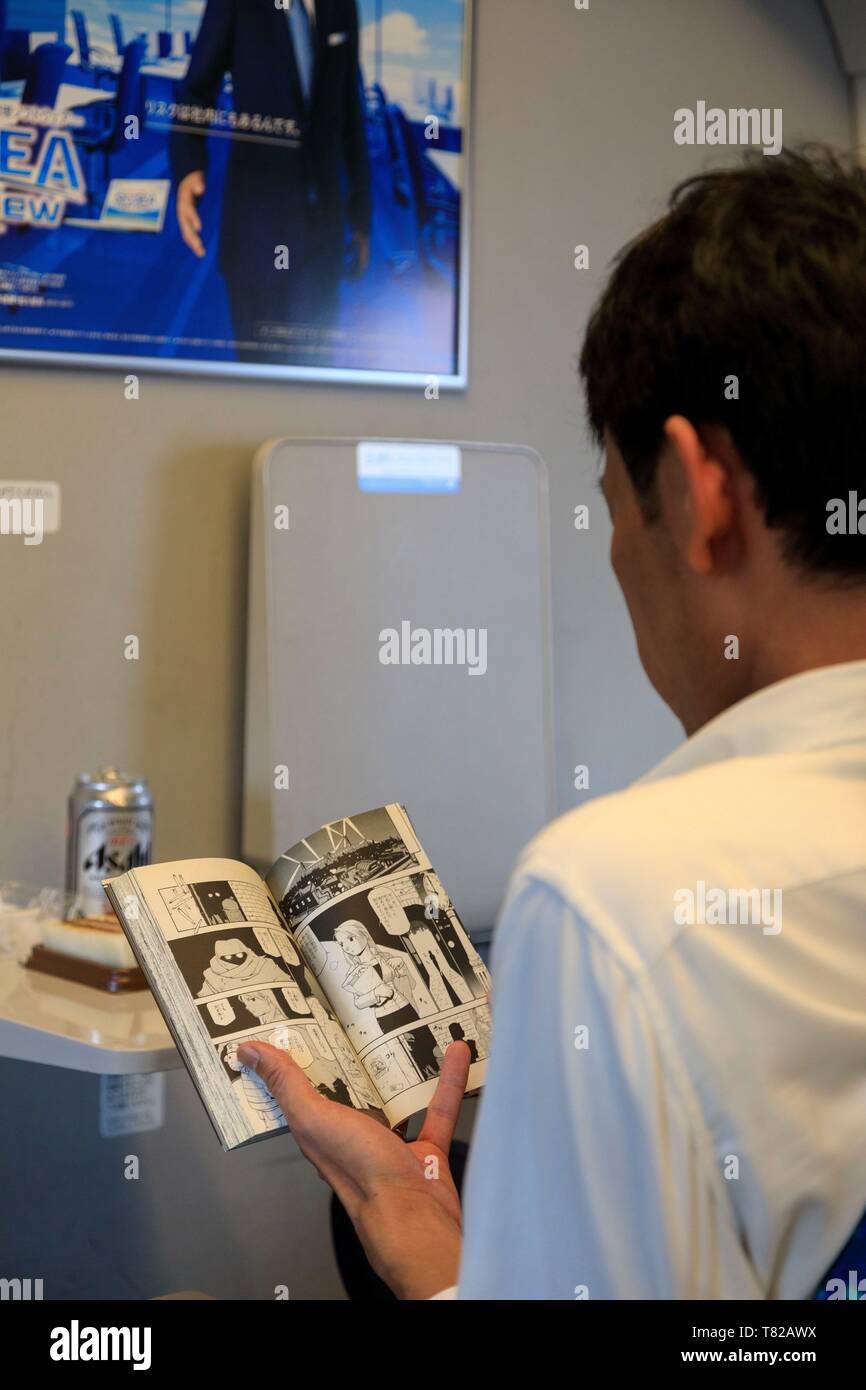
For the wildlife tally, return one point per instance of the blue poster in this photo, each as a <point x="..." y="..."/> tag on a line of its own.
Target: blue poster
<point x="266" y="187"/>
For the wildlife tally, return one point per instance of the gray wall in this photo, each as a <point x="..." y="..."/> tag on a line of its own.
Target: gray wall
<point x="572" y="143"/>
<point x="230" y="1225"/>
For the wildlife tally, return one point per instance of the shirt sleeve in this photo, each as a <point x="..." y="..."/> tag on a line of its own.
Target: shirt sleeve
<point x="591" y="1174"/>
<point x="210" y="59"/>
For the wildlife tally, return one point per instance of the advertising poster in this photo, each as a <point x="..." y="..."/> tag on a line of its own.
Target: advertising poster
<point x="266" y="187"/>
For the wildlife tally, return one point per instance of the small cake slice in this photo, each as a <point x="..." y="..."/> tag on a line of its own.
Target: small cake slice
<point x="97" y="939"/>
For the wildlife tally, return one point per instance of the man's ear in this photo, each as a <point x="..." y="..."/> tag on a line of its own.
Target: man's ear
<point x="697" y="493"/>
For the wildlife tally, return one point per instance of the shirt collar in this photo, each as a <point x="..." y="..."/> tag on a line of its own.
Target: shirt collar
<point x="813" y="710"/>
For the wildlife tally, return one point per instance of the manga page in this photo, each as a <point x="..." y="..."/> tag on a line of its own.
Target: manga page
<point x="392" y="957"/>
<point x="220" y="947"/>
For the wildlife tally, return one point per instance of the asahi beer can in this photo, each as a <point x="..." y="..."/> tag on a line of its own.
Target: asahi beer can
<point x="109" y="830"/>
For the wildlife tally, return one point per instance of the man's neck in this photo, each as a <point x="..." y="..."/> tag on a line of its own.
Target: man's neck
<point x="820" y="628"/>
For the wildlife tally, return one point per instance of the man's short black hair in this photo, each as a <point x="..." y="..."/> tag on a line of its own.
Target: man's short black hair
<point x="757" y="272"/>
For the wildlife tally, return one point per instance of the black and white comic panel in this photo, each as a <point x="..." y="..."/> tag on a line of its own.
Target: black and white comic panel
<point x="341" y="857"/>
<point x="319" y="1049"/>
<point x="198" y="906"/>
<point x="249" y="982"/>
<point x="237" y="959"/>
<point x="254" y="1007"/>
<point x="414" y="1056"/>
<point x="391" y="955"/>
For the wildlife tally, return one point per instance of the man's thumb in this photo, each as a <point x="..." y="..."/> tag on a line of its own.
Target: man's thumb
<point x="287" y="1082"/>
<point x="268" y="1063"/>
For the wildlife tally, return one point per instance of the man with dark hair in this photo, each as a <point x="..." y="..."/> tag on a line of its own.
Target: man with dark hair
<point x="743" y="310"/>
<point x="676" y="1095"/>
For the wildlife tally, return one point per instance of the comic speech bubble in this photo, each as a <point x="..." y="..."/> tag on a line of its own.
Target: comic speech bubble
<point x="314" y="952"/>
<point x="317" y="1038"/>
<point x="221" y="1012"/>
<point x="286" y="949"/>
<point x="265" y="937"/>
<point x="390" y="912"/>
<point x="295" y="999"/>
<point x="294" y="1042"/>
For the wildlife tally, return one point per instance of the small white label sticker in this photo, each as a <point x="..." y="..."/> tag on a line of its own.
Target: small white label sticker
<point x="135" y="205"/>
<point x="131" y="1104"/>
<point x="19" y="502"/>
<point x="390" y="467"/>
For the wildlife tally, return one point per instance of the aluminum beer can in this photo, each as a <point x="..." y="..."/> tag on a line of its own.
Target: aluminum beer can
<point x="108" y="831"/>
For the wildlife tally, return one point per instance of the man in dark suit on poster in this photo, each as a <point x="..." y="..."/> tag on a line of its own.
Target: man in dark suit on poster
<point x="297" y="180"/>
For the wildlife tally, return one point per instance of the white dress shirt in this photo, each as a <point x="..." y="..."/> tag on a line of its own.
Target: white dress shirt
<point x="710" y="1140"/>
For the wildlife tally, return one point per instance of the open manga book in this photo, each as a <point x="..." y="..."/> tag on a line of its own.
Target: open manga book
<point x="348" y="954"/>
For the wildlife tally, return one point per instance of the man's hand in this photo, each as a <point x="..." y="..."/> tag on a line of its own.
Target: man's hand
<point x="400" y="1197"/>
<point x="189" y="190"/>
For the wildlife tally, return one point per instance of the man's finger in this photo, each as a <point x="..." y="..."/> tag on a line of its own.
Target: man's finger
<point x="298" y="1099"/>
<point x="189" y="221"/>
<point x="193" y="242"/>
<point x="444" y="1109"/>
<point x="310" y="1117"/>
<point x="194" y="184"/>
<point x="188" y="214"/>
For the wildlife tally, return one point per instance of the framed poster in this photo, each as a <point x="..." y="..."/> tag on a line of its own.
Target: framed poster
<point x="248" y="187"/>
